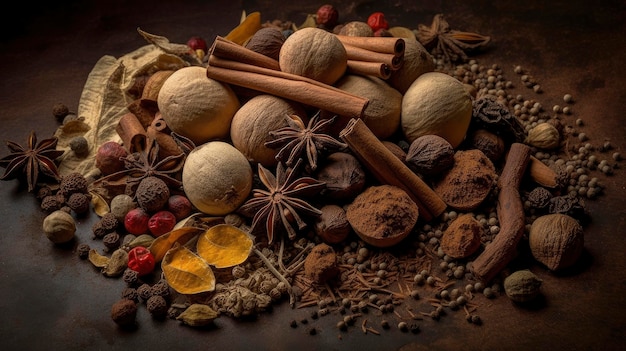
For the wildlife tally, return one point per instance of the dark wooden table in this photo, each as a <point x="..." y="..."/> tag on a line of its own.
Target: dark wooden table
<point x="50" y="300"/>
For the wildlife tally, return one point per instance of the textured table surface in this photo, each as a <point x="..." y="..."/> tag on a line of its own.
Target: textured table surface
<point x="50" y="300"/>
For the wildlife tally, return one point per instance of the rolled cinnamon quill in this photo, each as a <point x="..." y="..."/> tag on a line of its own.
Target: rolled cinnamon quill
<point x="227" y="49"/>
<point x="356" y="53"/>
<point x="375" y="69"/>
<point x="389" y="169"/>
<point x="289" y="86"/>
<point x="132" y="133"/>
<point x="388" y="45"/>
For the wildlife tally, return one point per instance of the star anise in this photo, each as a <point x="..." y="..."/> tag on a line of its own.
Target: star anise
<point x="32" y="159"/>
<point x="452" y="44"/>
<point x="296" y="140"/>
<point x="146" y="163"/>
<point x="281" y="204"/>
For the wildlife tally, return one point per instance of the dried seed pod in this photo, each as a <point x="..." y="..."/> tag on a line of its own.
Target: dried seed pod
<point x="522" y="286"/>
<point x="59" y="227"/>
<point x="544" y="136"/>
<point x="198" y="315"/>
<point x="430" y="155"/>
<point x="556" y="240"/>
<point x="489" y="143"/>
<point x="343" y="174"/>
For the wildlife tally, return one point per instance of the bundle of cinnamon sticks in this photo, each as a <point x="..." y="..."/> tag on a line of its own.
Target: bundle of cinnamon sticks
<point x="234" y="64"/>
<point x="374" y="56"/>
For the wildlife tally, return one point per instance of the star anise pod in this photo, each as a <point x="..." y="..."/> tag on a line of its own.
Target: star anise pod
<point x="452" y="44"/>
<point x="296" y="140"/>
<point x="32" y="159"/>
<point x="281" y="204"/>
<point x="146" y="163"/>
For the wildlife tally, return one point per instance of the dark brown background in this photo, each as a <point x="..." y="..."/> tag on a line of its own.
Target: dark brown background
<point x="51" y="300"/>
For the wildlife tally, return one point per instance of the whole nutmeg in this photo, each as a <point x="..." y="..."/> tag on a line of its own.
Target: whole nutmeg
<point x="332" y="225"/>
<point x="430" y="155"/>
<point x="344" y="176"/>
<point x="522" y="286"/>
<point x="314" y="53"/>
<point x="267" y="41"/>
<point x="436" y="103"/>
<point x="59" y="226"/>
<point x="544" y="136"/>
<point x="556" y="240"/>
<point x="490" y="144"/>
<point x="357" y="29"/>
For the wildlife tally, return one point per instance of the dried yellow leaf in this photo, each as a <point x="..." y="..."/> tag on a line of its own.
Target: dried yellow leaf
<point x="245" y="29"/>
<point x="100" y="206"/>
<point x="163" y="243"/>
<point x="186" y="272"/>
<point x="224" y="245"/>
<point x="97" y="259"/>
<point x="309" y="22"/>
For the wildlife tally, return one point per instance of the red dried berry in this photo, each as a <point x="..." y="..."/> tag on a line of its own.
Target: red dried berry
<point x="141" y="260"/>
<point x="197" y="43"/>
<point x="180" y="206"/>
<point x="136" y="221"/>
<point x="161" y="222"/>
<point x="377" y="21"/>
<point x="109" y="157"/>
<point x="327" y="16"/>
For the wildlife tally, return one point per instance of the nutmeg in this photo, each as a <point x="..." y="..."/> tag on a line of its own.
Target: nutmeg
<point x="430" y="155"/>
<point x="267" y="41"/>
<point x="332" y="225"/>
<point x="556" y="240"/>
<point x="522" y="286"/>
<point x="59" y="226"/>
<point x="544" y="136"/>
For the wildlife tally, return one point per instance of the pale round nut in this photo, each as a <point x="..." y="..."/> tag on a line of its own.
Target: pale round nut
<point x="382" y="113"/>
<point x="217" y="178"/>
<point x="314" y="53"/>
<point x="197" y="107"/>
<point x="59" y="226"/>
<point x="252" y="123"/>
<point x="556" y="240"/>
<point x="436" y="103"/>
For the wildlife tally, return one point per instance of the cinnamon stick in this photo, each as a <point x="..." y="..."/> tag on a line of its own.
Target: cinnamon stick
<point x="356" y="53"/>
<point x="510" y="212"/>
<point x="389" y="169"/>
<point x="388" y="45"/>
<point x="132" y="132"/>
<point x="289" y="86"/>
<point x="375" y="69"/>
<point x="227" y="49"/>
<point x="159" y="132"/>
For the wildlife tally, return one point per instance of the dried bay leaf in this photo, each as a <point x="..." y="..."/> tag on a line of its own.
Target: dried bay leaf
<point x="97" y="259"/>
<point x="163" y="243"/>
<point x="246" y="29"/>
<point x="181" y="50"/>
<point x="186" y="272"/>
<point x="198" y="315"/>
<point x="224" y="245"/>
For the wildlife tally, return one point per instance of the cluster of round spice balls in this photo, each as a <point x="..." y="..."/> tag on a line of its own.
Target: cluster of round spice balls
<point x="71" y="196"/>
